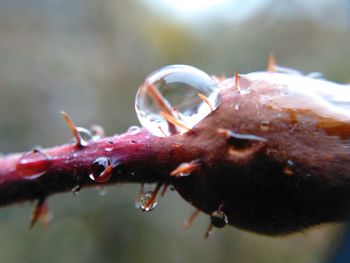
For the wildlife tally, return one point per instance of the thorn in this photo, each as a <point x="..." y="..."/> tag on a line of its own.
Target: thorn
<point x="185" y="169"/>
<point x="192" y="217"/>
<point x="40" y="210"/>
<point x="237" y="82"/>
<point x="74" y="128"/>
<point x="154" y="195"/>
<point x="165" y="188"/>
<point x="174" y="121"/>
<point x="161" y="130"/>
<point x="105" y="175"/>
<point x="162" y="104"/>
<point x="271" y="64"/>
<point x="206" y="100"/>
<point x="209" y="231"/>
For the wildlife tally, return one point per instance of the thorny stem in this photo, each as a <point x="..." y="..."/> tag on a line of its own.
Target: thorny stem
<point x="273" y="170"/>
<point x="141" y="158"/>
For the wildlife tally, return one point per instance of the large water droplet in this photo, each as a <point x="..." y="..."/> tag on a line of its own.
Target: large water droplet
<point x="101" y="170"/>
<point x="33" y="164"/>
<point x="144" y="200"/>
<point x="183" y="92"/>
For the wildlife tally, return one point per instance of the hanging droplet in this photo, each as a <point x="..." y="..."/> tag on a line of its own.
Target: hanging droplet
<point x="218" y="219"/>
<point x="33" y="164"/>
<point x="182" y="92"/>
<point x="85" y="136"/>
<point x="101" y="170"/>
<point x="289" y="168"/>
<point x="134" y="130"/>
<point x="144" y="202"/>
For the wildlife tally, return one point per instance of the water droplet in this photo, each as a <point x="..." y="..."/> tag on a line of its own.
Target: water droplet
<point x="76" y="189"/>
<point x="265" y="125"/>
<point x="85" y="136"/>
<point x="109" y="149"/>
<point x="101" y="170"/>
<point x="134" y="130"/>
<point x="289" y="168"/>
<point x="143" y="202"/>
<point x="218" y="219"/>
<point x="33" y="164"/>
<point x="177" y="91"/>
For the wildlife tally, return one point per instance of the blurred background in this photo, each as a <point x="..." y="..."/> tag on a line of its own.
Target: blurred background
<point x="89" y="57"/>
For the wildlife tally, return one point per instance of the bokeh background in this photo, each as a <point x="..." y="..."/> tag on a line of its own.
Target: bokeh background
<point x="89" y="57"/>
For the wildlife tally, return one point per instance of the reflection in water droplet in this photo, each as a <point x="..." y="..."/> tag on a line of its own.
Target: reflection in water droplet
<point x="265" y="125"/>
<point x="85" y="136"/>
<point x="174" y="90"/>
<point x="101" y="170"/>
<point x="144" y="200"/>
<point x="109" y="149"/>
<point x="289" y="168"/>
<point x="134" y="130"/>
<point x="218" y="219"/>
<point x="33" y="164"/>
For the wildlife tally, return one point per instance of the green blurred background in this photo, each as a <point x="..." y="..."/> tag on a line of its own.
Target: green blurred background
<point x="88" y="58"/>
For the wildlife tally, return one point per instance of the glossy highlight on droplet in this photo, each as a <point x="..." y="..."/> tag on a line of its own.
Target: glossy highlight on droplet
<point x="101" y="170"/>
<point x="33" y="164"/>
<point x="179" y="93"/>
<point x="85" y="136"/>
<point x="143" y="202"/>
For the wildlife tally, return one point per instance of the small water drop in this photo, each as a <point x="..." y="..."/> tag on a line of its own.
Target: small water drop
<point x="134" y="130"/>
<point x="289" y="168"/>
<point x="143" y="202"/>
<point x="33" y="164"/>
<point x="218" y="219"/>
<point x="109" y="149"/>
<point x="85" y="136"/>
<point x="101" y="170"/>
<point x="178" y="91"/>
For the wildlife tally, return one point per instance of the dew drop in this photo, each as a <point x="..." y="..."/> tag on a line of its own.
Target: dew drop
<point x="144" y="200"/>
<point x="289" y="168"/>
<point x="33" y="164"/>
<point x="183" y="92"/>
<point x="218" y="219"/>
<point x="101" y="170"/>
<point x="85" y="136"/>
<point x="134" y="130"/>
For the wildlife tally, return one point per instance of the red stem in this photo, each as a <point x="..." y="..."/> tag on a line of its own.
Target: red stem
<point x="136" y="158"/>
